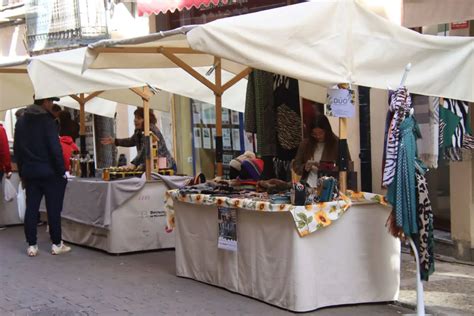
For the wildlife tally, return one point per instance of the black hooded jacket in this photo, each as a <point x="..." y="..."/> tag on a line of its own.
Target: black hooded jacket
<point x="37" y="148"/>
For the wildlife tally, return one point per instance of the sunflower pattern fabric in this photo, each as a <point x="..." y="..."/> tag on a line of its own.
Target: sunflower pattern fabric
<point x="308" y="219"/>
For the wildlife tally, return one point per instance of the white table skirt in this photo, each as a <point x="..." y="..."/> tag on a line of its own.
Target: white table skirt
<point x="354" y="260"/>
<point x="137" y="225"/>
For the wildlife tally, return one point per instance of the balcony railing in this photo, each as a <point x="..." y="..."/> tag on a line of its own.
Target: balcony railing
<point x="56" y="24"/>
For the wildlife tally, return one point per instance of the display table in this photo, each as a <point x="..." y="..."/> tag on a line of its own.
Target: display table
<point x="354" y="260"/>
<point x="116" y="216"/>
<point x="9" y="210"/>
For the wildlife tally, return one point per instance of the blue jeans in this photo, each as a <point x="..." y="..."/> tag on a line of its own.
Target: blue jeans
<point x="52" y="189"/>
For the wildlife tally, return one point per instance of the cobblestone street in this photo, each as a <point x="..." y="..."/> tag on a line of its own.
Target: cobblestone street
<point x="89" y="282"/>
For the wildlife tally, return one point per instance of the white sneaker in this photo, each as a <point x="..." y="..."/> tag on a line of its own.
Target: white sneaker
<point x="62" y="248"/>
<point x="32" y="251"/>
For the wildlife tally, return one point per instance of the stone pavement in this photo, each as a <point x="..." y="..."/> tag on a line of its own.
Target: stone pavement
<point x="89" y="282"/>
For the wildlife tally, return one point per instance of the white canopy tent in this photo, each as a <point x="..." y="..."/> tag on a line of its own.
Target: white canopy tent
<point x="333" y="41"/>
<point x="324" y="42"/>
<point x="16" y="90"/>
<point x="66" y="67"/>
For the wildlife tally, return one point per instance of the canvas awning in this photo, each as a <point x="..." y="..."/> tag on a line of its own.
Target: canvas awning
<point x="16" y="90"/>
<point x="66" y="67"/>
<point x="149" y="7"/>
<point x="323" y="42"/>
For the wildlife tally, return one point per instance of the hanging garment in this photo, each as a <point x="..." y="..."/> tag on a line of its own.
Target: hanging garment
<point x="400" y="107"/>
<point x="402" y="191"/>
<point x="455" y="129"/>
<point x="427" y="116"/>
<point x="288" y="116"/>
<point x="425" y="240"/>
<point x="260" y="112"/>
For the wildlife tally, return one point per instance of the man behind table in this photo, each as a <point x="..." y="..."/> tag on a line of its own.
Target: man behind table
<point x="41" y="169"/>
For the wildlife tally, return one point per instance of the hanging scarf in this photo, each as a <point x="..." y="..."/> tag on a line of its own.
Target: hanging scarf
<point x="455" y="129"/>
<point x="402" y="191"/>
<point x="425" y="240"/>
<point x="400" y="106"/>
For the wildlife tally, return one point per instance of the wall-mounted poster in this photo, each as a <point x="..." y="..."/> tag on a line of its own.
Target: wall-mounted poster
<point x="197" y="137"/>
<point x="227" y="138"/>
<point x="213" y="137"/>
<point x="225" y="117"/>
<point x="196" y="112"/>
<point x="206" y="138"/>
<point x="235" y="118"/>
<point x="227" y="221"/>
<point x="236" y="139"/>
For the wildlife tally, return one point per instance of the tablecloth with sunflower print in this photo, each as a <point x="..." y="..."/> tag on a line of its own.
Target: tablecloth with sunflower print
<point x="308" y="219"/>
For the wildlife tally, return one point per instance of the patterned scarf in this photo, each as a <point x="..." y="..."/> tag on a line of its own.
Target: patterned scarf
<point x="400" y="105"/>
<point x="425" y="240"/>
<point x="455" y="130"/>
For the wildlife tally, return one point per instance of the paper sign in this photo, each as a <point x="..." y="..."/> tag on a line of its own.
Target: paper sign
<point x="235" y="118"/>
<point x="206" y="138"/>
<point x="213" y="137"/>
<point x="225" y="117"/>
<point x="340" y="103"/>
<point x="236" y="139"/>
<point x="197" y="138"/>
<point x="227" y="221"/>
<point x="227" y="138"/>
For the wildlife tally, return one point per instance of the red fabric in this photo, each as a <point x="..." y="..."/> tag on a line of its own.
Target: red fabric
<point x="148" y="7"/>
<point x="69" y="147"/>
<point x="5" y="159"/>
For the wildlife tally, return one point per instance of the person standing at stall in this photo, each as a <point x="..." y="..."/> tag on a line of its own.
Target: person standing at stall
<point x="41" y="169"/>
<point x="321" y="146"/>
<point x="138" y="140"/>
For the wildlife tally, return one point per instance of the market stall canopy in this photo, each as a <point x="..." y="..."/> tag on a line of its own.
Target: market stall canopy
<point x="147" y="52"/>
<point x="324" y="42"/>
<point x="65" y="67"/>
<point x="16" y="90"/>
<point x="149" y="7"/>
<point x="333" y="41"/>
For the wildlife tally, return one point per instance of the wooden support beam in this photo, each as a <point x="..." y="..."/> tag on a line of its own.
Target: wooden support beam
<point x="218" y="76"/>
<point x="75" y="97"/>
<point x="92" y="95"/>
<point x="244" y="73"/>
<point x="144" y="94"/>
<point x="146" y="50"/>
<point x="179" y="62"/>
<point x="13" y="71"/>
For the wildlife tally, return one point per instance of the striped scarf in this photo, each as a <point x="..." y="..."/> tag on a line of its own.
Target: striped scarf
<point x="455" y="130"/>
<point x="400" y="105"/>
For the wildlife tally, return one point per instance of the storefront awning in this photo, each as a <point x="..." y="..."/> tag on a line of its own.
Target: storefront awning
<point x="149" y="7"/>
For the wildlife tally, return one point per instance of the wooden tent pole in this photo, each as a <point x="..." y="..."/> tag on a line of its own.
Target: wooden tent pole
<point x="343" y="149"/>
<point x="343" y="137"/>
<point x="145" y="94"/>
<point x="173" y="125"/>
<point x="146" y="111"/>
<point x="82" y="100"/>
<point x="82" y="124"/>
<point x="219" y="143"/>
